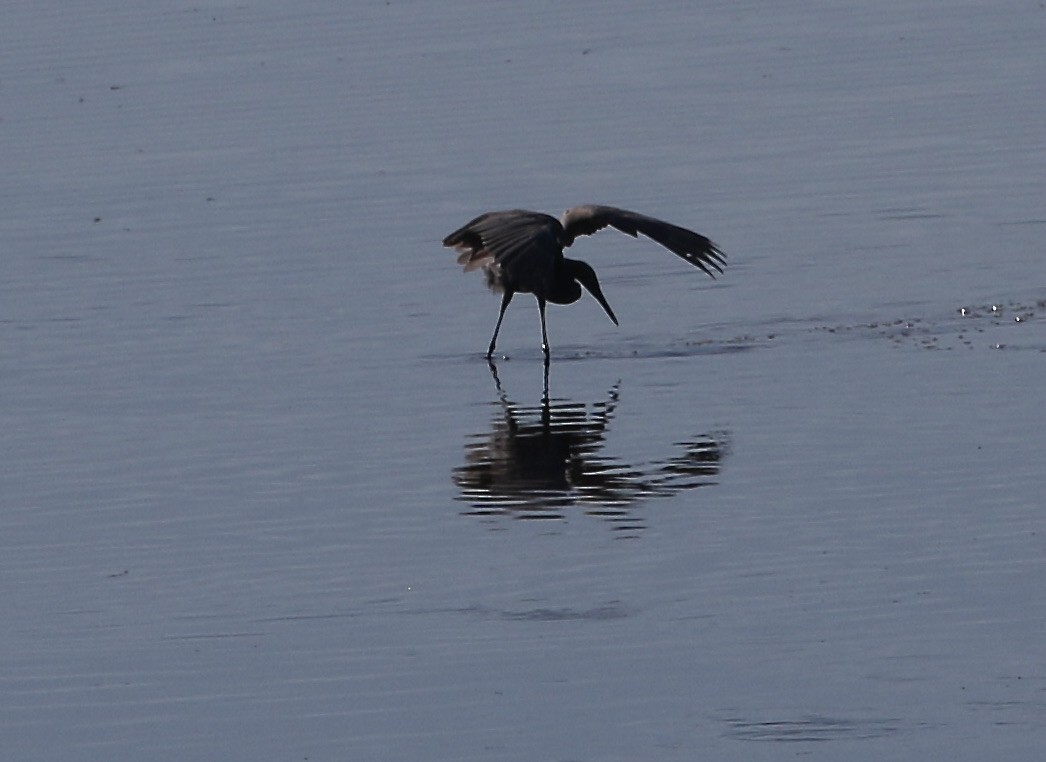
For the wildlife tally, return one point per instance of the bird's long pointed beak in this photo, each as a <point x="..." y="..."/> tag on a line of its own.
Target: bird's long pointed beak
<point x="591" y="283"/>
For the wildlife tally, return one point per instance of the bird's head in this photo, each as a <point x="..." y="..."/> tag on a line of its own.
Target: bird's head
<point x="583" y="273"/>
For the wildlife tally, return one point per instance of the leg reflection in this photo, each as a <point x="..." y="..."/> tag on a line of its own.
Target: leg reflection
<point x="535" y="461"/>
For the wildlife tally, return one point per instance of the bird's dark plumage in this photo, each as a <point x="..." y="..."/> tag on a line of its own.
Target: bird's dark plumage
<point x="522" y="251"/>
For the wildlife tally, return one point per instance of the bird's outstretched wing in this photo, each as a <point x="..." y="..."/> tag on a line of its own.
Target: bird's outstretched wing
<point x="691" y="246"/>
<point x="515" y="245"/>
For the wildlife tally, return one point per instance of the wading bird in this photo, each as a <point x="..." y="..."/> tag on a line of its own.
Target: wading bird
<point x="523" y="251"/>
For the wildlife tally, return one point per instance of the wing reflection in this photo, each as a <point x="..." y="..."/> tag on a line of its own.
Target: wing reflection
<point x="537" y="461"/>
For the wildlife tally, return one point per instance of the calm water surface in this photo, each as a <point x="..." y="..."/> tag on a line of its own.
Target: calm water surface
<point x="262" y="497"/>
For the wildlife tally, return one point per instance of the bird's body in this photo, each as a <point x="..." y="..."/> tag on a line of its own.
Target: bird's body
<point x="522" y="251"/>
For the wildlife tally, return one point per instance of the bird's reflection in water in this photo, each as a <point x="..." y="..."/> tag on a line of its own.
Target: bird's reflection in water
<point x="537" y="462"/>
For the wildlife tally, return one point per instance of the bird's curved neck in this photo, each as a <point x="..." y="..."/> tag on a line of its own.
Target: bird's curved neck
<point x="564" y="288"/>
<point x="579" y="274"/>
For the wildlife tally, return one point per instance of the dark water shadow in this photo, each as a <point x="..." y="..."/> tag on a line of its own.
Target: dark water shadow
<point x="539" y="462"/>
<point x="626" y="349"/>
<point x="812" y="728"/>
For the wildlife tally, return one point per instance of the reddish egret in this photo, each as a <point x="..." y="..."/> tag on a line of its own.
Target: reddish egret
<point x="523" y="251"/>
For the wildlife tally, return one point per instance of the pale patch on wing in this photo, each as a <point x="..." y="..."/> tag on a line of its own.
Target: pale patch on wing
<point x="473" y="259"/>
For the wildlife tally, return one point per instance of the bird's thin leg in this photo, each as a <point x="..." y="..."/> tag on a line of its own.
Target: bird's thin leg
<point x="544" y="333"/>
<point x="504" y="306"/>
<point x="544" y="390"/>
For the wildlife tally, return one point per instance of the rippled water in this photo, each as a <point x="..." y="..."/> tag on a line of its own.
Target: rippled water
<point x="263" y="498"/>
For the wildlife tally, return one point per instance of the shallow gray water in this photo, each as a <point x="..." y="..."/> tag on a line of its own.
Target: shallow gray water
<point x="262" y="497"/>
